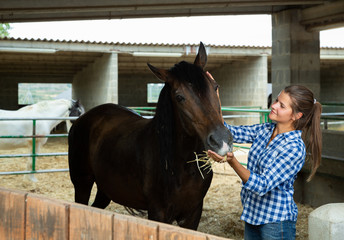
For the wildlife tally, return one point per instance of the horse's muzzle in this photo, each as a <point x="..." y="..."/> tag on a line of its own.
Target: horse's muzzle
<point x="220" y="140"/>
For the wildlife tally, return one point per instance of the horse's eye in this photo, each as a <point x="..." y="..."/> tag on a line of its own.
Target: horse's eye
<point x="180" y="98"/>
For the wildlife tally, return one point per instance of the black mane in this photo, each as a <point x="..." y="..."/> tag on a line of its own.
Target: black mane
<point x="164" y="127"/>
<point x="191" y="73"/>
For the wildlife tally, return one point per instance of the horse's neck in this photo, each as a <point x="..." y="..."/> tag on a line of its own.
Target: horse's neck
<point x="186" y="142"/>
<point x="56" y="109"/>
<point x="172" y="132"/>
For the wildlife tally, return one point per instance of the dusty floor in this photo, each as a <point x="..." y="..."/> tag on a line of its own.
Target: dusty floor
<point x="222" y="207"/>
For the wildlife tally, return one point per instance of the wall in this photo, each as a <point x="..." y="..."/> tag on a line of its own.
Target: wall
<point x="332" y="84"/>
<point x="244" y="84"/>
<point x="327" y="184"/>
<point x="132" y="89"/>
<point x="97" y="83"/>
<point x="9" y="88"/>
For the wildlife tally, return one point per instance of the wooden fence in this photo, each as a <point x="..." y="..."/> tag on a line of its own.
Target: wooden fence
<point x="30" y="216"/>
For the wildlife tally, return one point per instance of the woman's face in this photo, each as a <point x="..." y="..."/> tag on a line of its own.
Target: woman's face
<point x="281" y="110"/>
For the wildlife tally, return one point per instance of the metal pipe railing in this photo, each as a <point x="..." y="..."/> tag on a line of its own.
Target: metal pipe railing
<point x="33" y="154"/>
<point x="263" y="116"/>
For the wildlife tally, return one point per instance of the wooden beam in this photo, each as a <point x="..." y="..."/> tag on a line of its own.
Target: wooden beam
<point x="57" y="10"/>
<point x="322" y="17"/>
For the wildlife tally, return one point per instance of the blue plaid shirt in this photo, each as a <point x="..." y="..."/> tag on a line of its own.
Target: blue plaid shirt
<point x="267" y="196"/>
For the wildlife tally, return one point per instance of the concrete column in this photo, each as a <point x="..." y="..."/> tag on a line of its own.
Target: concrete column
<point x="295" y="53"/>
<point x="98" y="82"/>
<point x="244" y="84"/>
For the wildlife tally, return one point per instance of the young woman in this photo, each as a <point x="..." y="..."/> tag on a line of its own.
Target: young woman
<point x="277" y="154"/>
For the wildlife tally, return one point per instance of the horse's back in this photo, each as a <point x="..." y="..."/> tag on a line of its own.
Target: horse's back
<point x="20" y="127"/>
<point x="107" y="116"/>
<point x="13" y="127"/>
<point x="104" y="121"/>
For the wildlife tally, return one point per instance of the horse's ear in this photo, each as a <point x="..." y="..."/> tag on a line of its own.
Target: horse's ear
<point x="159" y="73"/>
<point x="201" y="58"/>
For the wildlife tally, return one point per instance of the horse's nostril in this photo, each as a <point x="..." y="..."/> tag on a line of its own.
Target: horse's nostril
<point x="212" y="141"/>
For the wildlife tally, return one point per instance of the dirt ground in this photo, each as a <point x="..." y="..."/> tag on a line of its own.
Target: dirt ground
<point x="222" y="206"/>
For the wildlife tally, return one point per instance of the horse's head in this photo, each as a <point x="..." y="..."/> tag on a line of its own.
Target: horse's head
<point x="75" y="110"/>
<point x="195" y="102"/>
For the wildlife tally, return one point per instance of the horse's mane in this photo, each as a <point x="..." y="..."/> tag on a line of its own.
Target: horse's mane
<point x="165" y="128"/>
<point x="164" y="116"/>
<point x="193" y="74"/>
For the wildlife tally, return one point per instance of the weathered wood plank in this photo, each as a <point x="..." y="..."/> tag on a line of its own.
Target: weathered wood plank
<point x="167" y="232"/>
<point x="89" y="223"/>
<point x="127" y="227"/>
<point x="46" y="218"/>
<point x="212" y="237"/>
<point x="28" y="216"/>
<point x="12" y="214"/>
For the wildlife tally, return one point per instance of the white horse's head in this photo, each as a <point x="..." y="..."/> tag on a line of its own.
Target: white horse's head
<point x="76" y="110"/>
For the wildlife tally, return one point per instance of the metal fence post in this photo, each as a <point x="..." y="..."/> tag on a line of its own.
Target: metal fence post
<point x="34" y="145"/>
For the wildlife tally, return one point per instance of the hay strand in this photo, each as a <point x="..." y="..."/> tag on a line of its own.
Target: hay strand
<point x="207" y="161"/>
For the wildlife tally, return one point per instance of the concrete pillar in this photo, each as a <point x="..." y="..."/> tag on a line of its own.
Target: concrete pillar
<point x="98" y="82"/>
<point x="295" y="54"/>
<point x="243" y="84"/>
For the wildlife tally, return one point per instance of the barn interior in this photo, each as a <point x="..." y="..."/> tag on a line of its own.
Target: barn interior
<point x="116" y="72"/>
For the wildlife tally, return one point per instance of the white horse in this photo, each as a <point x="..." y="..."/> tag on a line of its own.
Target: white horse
<point x="44" y="109"/>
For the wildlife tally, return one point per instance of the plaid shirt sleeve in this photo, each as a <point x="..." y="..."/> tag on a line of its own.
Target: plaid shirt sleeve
<point x="244" y="134"/>
<point x="283" y="167"/>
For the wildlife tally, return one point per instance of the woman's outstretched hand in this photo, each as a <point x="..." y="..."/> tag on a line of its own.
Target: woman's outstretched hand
<point x="243" y="173"/>
<point x="221" y="159"/>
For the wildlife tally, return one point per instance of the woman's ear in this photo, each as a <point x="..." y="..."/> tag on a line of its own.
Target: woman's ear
<point x="297" y="116"/>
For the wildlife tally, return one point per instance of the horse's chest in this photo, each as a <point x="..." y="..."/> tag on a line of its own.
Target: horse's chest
<point x="190" y="186"/>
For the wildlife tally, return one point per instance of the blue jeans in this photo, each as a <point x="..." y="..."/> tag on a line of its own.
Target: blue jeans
<point x="285" y="230"/>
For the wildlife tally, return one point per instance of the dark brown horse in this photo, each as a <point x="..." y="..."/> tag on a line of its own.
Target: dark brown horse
<point x="143" y="164"/>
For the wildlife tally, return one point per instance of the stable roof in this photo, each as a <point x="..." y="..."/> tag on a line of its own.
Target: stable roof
<point x="61" y="58"/>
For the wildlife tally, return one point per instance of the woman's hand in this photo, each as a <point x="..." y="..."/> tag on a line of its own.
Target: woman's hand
<point x="243" y="173"/>
<point x="221" y="159"/>
<point x="212" y="78"/>
<point x="217" y="91"/>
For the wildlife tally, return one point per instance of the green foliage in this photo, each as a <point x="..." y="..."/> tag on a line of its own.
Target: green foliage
<point x="4" y="27"/>
<point x="30" y="93"/>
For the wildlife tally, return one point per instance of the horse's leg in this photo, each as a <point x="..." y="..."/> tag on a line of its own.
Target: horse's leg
<point x="80" y="175"/>
<point x="190" y="219"/>
<point x="82" y="189"/>
<point x="69" y="125"/>
<point x="101" y="201"/>
<point x="158" y="213"/>
<point x="80" y="171"/>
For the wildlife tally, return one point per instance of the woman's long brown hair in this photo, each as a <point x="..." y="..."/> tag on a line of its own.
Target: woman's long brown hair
<point x="303" y="101"/>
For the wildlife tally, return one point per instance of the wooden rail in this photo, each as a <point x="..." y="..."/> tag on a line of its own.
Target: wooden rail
<point x="30" y="216"/>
